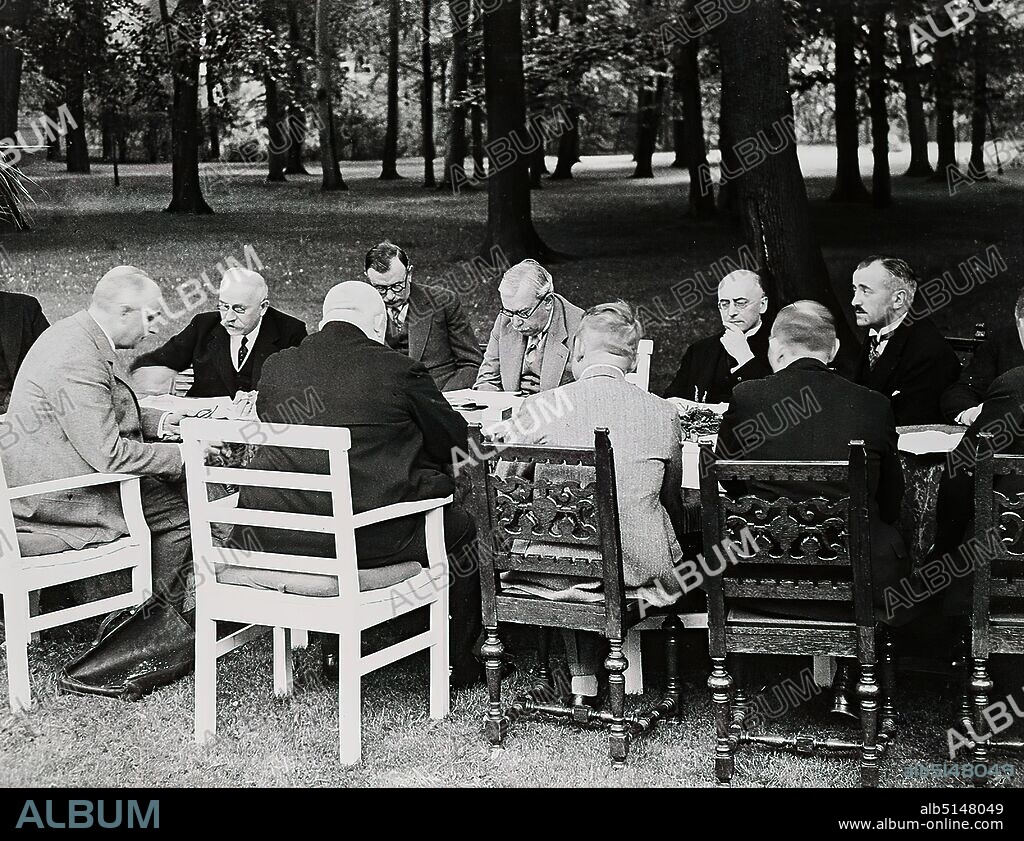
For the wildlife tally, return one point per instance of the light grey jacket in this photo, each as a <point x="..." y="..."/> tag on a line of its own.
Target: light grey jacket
<point x="72" y="413"/>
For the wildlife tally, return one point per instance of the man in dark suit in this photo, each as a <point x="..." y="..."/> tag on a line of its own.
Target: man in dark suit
<point x="828" y="412"/>
<point x="999" y="353"/>
<point x="21" y="323"/>
<point x="905" y="358"/>
<point x="713" y="366"/>
<point x="426" y="324"/>
<point x="528" y="349"/>
<point x="226" y="349"/>
<point x="404" y="435"/>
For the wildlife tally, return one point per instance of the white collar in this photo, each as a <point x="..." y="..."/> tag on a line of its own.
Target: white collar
<point x="884" y="333"/>
<point x="760" y="321"/>
<point x="615" y="369"/>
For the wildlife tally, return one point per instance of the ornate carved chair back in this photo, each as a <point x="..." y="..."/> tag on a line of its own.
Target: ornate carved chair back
<point x="965" y="347"/>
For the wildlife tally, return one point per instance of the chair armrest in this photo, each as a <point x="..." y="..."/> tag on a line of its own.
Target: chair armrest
<point x="399" y="509"/>
<point x="72" y="482"/>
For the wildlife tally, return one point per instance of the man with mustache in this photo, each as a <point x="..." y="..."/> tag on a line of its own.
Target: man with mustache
<point x="713" y="366"/>
<point x="906" y="359"/>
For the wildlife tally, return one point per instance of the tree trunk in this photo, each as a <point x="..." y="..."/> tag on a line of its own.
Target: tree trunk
<point x="332" y="179"/>
<point x="186" y="190"/>
<point x="979" y="106"/>
<point x="568" y="145"/>
<point x="945" y="70"/>
<point x="702" y="191"/>
<point x="881" y="184"/>
<point x="455" y="148"/>
<point x="296" y="111"/>
<point x="772" y="195"/>
<point x="648" y="115"/>
<point x="78" y="148"/>
<point x="50" y="109"/>
<point x="389" y="163"/>
<point x="106" y="137"/>
<point x="509" y="223"/>
<point x="10" y="88"/>
<point x="728" y="189"/>
<point x="849" y="187"/>
<point x="476" y="112"/>
<point x="910" y="73"/>
<point x="537" y="166"/>
<point x="212" y="117"/>
<point x="276" y="138"/>
<point x="679" y="143"/>
<point x="427" y="98"/>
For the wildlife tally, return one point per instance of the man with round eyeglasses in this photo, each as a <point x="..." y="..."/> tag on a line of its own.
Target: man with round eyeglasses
<point x="713" y="366"/>
<point x="528" y="349"/>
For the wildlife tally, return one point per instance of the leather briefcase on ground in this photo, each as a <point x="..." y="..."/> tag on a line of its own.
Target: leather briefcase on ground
<point x="151" y="647"/>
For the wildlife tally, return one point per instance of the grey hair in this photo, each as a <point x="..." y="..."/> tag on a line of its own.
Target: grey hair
<point x="901" y="275"/>
<point x="528" y="271"/>
<point x="613" y="328"/>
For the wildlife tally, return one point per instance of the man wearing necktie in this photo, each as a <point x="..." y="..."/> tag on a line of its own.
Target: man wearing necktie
<point x="905" y="358"/>
<point x="425" y="323"/>
<point x="529" y="345"/>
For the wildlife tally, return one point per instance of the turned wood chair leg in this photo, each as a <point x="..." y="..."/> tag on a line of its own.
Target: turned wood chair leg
<point x="618" y="736"/>
<point x="867" y="693"/>
<point x="720" y="684"/>
<point x="544" y="655"/>
<point x="673" y="686"/>
<point x="888" y="685"/>
<point x="981" y="689"/>
<point x="495" y="724"/>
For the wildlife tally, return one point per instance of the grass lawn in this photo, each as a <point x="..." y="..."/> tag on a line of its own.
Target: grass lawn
<point x="628" y="238"/>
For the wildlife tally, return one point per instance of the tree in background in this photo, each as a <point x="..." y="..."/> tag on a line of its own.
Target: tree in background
<point x="332" y="179"/>
<point x="910" y="76"/>
<point x="849" y="187"/>
<point x="389" y="160"/>
<point x="881" y="183"/>
<point x="427" y="96"/>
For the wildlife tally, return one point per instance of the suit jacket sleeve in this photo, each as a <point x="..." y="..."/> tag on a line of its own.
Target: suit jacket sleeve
<point x="443" y="428"/>
<point x="93" y="431"/>
<point x="489" y="376"/>
<point x="682" y="384"/>
<point x="926" y="377"/>
<point x="890" y="477"/>
<point x="969" y="390"/>
<point x="37" y="325"/>
<point x="672" y="482"/>
<point x="176" y="353"/>
<point x="729" y="445"/>
<point x="296" y="334"/>
<point x="463" y="342"/>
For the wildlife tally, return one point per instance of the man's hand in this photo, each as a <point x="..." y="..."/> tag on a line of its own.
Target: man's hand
<point x="734" y="340"/>
<point x="968" y="416"/>
<point x="214" y="448"/>
<point x="170" y="429"/>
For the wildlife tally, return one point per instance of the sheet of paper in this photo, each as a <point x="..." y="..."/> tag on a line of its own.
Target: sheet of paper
<point x="929" y="441"/>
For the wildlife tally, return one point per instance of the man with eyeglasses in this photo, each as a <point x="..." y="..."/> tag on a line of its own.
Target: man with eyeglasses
<point x="226" y="349"/>
<point x="425" y="323"/>
<point x="713" y="366"/>
<point x="528" y="350"/>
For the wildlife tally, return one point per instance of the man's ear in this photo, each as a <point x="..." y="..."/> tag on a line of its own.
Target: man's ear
<point x="764" y="305"/>
<point x="264" y="306"/>
<point x="835" y="350"/>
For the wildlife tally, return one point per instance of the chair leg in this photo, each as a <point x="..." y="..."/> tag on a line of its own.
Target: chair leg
<point x="888" y="686"/>
<point x="544" y="655"/>
<point x="495" y="724"/>
<point x="981" y="690"/>
<point x="350" y="702"/>
<point x="33" y="610"/>
<point x="635" y="672"/>
<point x="720" y="684"/>
<point x="867" y="693"/>
<point x="618" y="735"/>
<point x="673" y="686"/>
<point x="16" y="631"/>
<point x="440" y="686"/>
<point x="283" y="684"/>
<point x="206" y="680"/>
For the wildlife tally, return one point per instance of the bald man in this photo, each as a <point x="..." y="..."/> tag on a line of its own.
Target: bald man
<point x="713" y="366"/>
<point x="226" y="349"/>
<point x="73" y="413"/>
<point x="404" y="436"/>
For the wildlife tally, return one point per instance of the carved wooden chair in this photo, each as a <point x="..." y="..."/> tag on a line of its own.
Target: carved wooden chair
<point x="769" y="553"/>
<point x="532" y="521"/>
<point x="965" y="347"/>
<point x="997" y="602"/>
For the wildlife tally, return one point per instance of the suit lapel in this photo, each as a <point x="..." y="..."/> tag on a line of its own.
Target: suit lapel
<point x="220" y="356"/>
<point x="10" y="335"/>
<point x="511" y="350"/>
<point x="418" y="321"/>
<point x="556" y="350"/>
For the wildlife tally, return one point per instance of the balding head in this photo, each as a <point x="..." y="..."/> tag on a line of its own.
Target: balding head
<point x="242" y="300"/>
<point x="125" y="303"/>
<point x="800" y="331"/>
<point x="355" y="302"/>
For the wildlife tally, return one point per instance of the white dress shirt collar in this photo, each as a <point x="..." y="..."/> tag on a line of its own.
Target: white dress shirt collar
<point x="250" y="342"/>
<point x="105" y="333"/>
<point x="885" y="333"/>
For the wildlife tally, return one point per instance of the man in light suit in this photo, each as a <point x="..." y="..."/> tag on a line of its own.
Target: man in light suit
<point x="425" y="323"/>
<point x="645" y="436"/>
<point x="226" y="349"/>
<point x="73" y="413"/>
<point x="21" y="323"/>
<point x="529" y="346"/>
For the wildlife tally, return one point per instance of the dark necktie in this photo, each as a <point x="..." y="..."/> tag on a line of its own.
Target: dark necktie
<point x="241" y="351"/>
<point x="873" y="351"/>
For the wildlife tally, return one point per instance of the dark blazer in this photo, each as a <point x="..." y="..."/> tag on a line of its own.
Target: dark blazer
<point x="206" y="347"/>
<point x="1003" y="416"/>
<point x="806" y="412"/>
<point x="706" y="368"/>
<point x="403" y="436"/>
<point x="21" y="323"/>
<point x="997" y="354"/>
<point x="915" y="368"/>
<point x="441" y="337"/>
